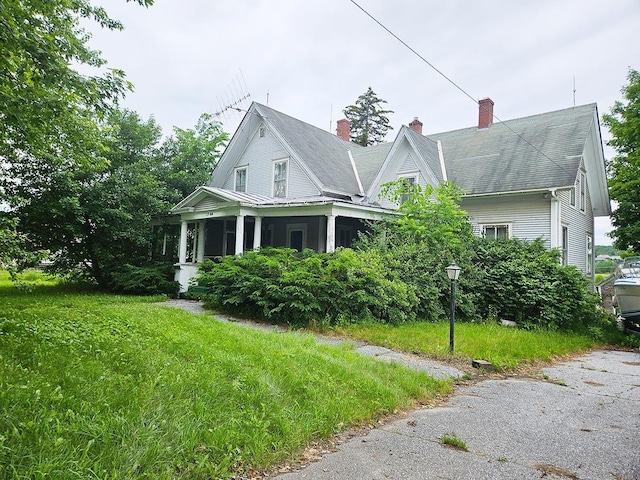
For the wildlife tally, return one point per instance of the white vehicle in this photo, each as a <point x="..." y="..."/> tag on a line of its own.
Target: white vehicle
<point x="626" y="300"/>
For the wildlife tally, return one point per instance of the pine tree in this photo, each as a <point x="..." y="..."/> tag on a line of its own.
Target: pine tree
<point x="369" y="124"/>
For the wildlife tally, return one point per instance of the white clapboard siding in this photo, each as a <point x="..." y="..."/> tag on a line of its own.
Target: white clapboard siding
<point x="528" y="215"/>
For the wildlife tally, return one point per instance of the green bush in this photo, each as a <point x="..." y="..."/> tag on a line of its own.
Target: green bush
<point x="147" y="280"/>
<point x="304" y="289"/>
<point x="523" y="281"/>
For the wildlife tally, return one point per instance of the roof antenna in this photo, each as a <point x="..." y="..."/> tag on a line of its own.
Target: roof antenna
<point x="330" y="117"/>
<point x="267" y="97"/>
<point x="238" y="94"/>
<point x="574" y="90"/>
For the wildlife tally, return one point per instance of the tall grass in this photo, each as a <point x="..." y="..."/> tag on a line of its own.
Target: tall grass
<point x="103" y="386"/>
<point x="505" y="348"/>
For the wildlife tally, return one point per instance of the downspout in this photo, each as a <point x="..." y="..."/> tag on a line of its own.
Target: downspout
<point x="555" y="219"/>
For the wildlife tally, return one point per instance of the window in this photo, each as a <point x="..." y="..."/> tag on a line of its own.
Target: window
<point x="565" y="245"/>
<point x="280" y="178"/>
<point x="495" y="232"/>
<point x="589" y="254"/>
<point x="411" y="180"/>
<point x="262" y="131"/>
<point x="241" y="180"/>
<point x="573" y="196"/>
<point x="583" y="192"/>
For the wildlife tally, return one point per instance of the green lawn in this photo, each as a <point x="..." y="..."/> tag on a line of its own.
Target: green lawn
<point x="103" y="386"/>
<point x="506" y="348"/>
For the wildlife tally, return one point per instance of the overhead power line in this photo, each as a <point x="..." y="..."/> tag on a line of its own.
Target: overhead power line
<point x="464" y="92"/>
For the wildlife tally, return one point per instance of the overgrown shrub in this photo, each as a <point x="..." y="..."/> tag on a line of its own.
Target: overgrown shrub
<point x="303" y="289"/>
<point x="524" y="282"/>
<point x="146" y="280"/>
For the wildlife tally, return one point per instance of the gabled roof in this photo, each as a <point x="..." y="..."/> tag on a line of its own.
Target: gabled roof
<point x="537" y="152"/>
<point x="323" y="153"/>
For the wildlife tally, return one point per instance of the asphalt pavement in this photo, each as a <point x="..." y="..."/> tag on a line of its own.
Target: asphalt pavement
<point x="580" y="421"/>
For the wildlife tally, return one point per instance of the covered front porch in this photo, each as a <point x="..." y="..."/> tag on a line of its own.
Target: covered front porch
<point x="215" y="222"/>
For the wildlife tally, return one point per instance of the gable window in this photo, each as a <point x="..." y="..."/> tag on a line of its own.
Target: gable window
<point x="280" y="178"/>
<point x="495" y="232"/>
<point x="241" y="180"/>
<point x="583" y="192"/>
<point x="411" y="180"/>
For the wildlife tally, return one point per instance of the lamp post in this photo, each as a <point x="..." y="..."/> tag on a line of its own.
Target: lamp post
<point x="453" y="272"/>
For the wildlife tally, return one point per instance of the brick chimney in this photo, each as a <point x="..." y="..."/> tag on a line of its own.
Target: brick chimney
<point x="485" y="114"/>
<point x="416" y="125"/>
<point x="344" y="129"/>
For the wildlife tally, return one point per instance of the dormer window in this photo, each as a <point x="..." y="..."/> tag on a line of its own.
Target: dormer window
<point x="280" y="178"/>
<point x="241" y="180"/>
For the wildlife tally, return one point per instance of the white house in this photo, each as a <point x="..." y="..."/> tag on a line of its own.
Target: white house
<point x="283" y="182"/>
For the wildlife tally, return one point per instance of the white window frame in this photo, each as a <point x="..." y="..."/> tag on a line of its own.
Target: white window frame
<point x="408" y="176"/>
<point x="484" y="226"/>
<point x="235" y="178"/>
<point x="297" y="227"/>
<point x="564" y="246"/>
<point x="583" y="192"/>
<point x="572" y="196"/>
<point x="589" y="253"/>
<point x="284" y="161"/>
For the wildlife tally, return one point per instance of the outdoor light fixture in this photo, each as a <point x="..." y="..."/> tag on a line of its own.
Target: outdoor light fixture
<point x="453" y="272"/>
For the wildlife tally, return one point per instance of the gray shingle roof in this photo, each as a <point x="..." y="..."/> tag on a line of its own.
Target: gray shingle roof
<point x="496" y="159"/>
<point x="536" y="152"/>
<point x="325" y="154"/>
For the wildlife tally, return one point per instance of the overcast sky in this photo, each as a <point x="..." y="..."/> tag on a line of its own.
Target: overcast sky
<point x="310" y="59"/>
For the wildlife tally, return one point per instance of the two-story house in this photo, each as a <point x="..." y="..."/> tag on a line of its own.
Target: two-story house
<point x="283" y="182"/>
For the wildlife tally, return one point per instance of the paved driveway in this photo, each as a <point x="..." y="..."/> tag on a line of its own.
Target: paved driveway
<point x="583" y="422"/>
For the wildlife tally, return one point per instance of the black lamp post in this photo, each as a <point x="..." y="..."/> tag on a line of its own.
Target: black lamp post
<point x="453" y="272"/>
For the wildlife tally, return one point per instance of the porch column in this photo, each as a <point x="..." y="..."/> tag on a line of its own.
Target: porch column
<point x="182" y="255"/>
<point x="201" y="240"/>
<point x="239" y="234"/>
<point x="331" y="233"/>
<point x="257" y="233"/>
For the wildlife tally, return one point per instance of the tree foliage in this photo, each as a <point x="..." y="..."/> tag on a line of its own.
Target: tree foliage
<point x="624" y="170"/>
<point x="369" y="124"/>
<point x="95" y="217"/>
<point x="191" y="155"/>
<point x="46" y="105"/>
<point x="49" y="112"/>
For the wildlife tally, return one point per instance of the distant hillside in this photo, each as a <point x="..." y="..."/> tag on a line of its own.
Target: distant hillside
<point x="607" y="250"/>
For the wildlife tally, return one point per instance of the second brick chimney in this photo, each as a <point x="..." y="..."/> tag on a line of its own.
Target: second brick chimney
<point x="416" y="125"/>
<point x="485" y="113"/>
<point x="344" y="129"/>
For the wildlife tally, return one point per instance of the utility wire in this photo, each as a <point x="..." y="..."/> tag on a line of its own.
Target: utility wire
<point x="464" y="92"/>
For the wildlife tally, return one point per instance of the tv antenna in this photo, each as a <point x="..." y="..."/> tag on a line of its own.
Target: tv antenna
<point x="233" y="96"/>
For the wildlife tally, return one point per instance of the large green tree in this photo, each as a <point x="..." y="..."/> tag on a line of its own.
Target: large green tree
<point x="624" y="169"/>
<point x="48" y="110"/>
<point x="369" y="124"/>
<point x="95" y="217"/>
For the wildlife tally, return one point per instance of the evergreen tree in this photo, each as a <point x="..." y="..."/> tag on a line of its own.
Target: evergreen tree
<point x="369" y="124"/>
<point x="624" y="169"/>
